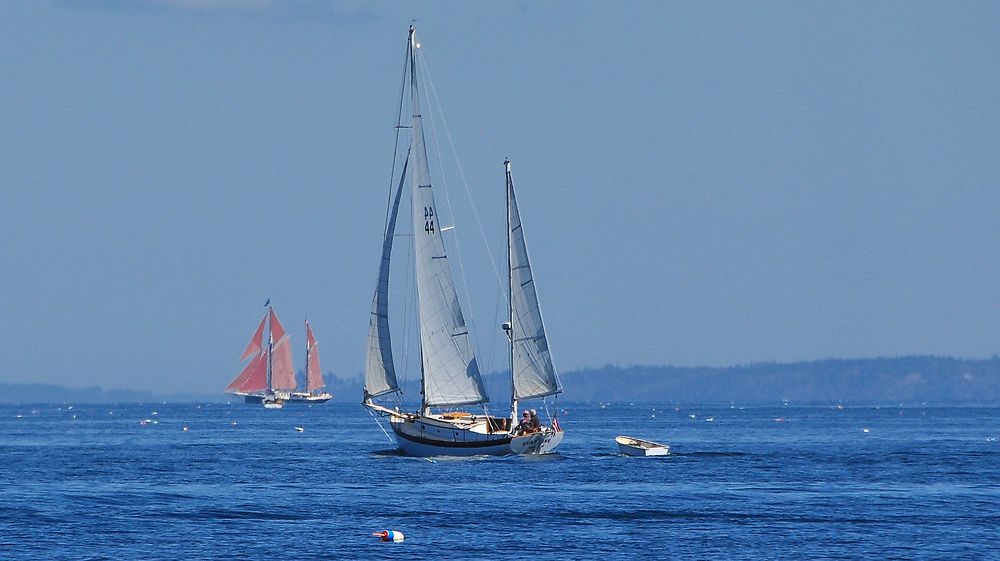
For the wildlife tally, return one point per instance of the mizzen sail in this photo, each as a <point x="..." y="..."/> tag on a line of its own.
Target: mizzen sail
<point x="314" y="375"/>
<point x="533" y="371"/>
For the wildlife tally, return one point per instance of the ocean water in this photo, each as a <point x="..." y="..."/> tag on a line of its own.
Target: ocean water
<point x="218" y="481"/>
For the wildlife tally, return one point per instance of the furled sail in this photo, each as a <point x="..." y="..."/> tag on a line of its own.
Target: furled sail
<point x="450" y="372"/>
<point x="314" y="375"/>
<point x="380" y="373"/>
<point x="533" y="372"/>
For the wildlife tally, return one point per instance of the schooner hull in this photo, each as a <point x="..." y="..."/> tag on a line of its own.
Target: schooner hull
<point x="293" y="398"/>
<point x="423" y="436"/>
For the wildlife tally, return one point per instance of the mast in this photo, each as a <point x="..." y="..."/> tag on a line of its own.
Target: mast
<point x="424" y="408"/>
<point x="509" y="328"/>
<point x="308" y="348"/>
<point x="270" y="347"/>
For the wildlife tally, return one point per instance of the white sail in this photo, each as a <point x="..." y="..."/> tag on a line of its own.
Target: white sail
<point x="380" y="373"/>
<point x="450" y="372"/>
<point x="533" y="372"/>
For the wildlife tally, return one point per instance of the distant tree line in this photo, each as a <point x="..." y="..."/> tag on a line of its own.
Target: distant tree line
<point x="875" y="380"/>
<point x="902" y="379"/>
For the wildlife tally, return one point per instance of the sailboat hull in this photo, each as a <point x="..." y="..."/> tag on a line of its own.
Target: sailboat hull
<point x="424" y="436"/>
<point x="538" y="443"/>
<point x="430" y="436"/>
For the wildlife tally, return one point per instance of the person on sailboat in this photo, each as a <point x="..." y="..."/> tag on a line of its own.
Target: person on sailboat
<point x="535" y="424"/>
<point x="525" y="424"/>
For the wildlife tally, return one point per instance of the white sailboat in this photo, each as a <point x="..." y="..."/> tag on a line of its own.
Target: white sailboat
<point x="450" y="376"/>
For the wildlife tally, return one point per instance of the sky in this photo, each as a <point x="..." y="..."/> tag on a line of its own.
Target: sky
<point x="701" y="183"/>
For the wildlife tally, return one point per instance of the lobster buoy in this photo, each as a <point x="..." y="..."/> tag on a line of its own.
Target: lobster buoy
<point x="389" y="535"/>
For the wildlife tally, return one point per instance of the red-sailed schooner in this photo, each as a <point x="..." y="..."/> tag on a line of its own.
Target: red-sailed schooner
<point x="269" y="376"/>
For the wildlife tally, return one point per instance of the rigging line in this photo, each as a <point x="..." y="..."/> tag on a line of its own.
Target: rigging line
<point x="397" y="128"/>
<point x="379" y="423"/>
<point x="493" y="340"/>
<point x="555" y="406"/>
<point x="432" y="92"/>
<point x="461" y="171"/>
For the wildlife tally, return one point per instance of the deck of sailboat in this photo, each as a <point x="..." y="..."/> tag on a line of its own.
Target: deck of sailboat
<point x="456" y="420"/>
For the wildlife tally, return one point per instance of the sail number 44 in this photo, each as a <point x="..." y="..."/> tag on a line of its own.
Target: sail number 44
<point x="429" y="219"/>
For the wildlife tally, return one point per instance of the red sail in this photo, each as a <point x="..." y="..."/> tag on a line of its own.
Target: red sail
<point x="282" y="370"/>
<point x="310" y="340"/>
<point x="277" y="331"/>
<point x="256" y="342"/>
<point x="314" y="376"/>
<point x="253" y="378"/>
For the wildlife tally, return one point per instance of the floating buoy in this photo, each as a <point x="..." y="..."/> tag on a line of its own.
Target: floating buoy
<point x="389" y="535"/>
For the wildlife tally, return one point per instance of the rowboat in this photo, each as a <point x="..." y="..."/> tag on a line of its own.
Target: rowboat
<point x="636" y="447"/>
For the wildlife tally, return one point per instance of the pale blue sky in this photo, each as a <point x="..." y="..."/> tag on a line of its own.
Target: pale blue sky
<point x="701" y="183"/>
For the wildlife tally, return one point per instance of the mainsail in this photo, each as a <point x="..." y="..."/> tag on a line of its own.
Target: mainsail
<point x="282" y="369"/>
<point x="532" y="369"/>
<point x="450" y="372"/>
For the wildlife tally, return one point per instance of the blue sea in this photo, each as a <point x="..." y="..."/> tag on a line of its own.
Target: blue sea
<point x="221" y="481"/>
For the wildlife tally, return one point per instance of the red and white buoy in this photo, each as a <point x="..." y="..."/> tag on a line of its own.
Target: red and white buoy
<point x="389" y="535"/>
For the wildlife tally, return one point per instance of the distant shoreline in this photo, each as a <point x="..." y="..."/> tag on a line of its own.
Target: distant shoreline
<point x="911" y="379"/>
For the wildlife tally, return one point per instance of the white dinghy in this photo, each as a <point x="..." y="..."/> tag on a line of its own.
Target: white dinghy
<point x="637" y="447"/>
